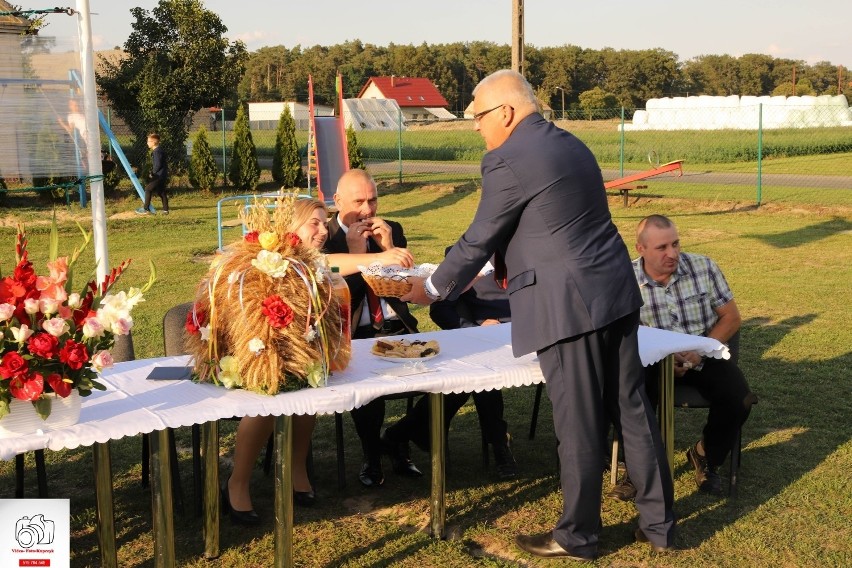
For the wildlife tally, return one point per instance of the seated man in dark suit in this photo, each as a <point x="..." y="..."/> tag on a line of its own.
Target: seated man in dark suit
<point x="485" y="303"/>
<point x="356" y="229"/>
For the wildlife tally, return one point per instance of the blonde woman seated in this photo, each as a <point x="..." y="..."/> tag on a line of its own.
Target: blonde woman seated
<point x="309" y="223"/>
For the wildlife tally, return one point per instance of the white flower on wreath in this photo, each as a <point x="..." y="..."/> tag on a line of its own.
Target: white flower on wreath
<point x="256" y="345"/>
<point x="271" y="263"/>
<point x="315" y="375"/>
<point x="229" y="372"/>
<point x="311" y="334"/>
<point x="321" y="269"/>
<point x="233" y="277"/>
<point x="204" y="331"/>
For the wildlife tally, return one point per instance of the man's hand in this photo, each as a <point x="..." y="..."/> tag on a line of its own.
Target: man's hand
<point x="684" y="361"/>
<point x="356" y="240"/>
<point x="380" y="232"/>
<point x="417" y="294"/>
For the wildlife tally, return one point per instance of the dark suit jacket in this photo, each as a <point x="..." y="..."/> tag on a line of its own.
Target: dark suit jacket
<point x="484" y="300"/>
<point x="544" y="208"/>
<point x="336" y="243"/>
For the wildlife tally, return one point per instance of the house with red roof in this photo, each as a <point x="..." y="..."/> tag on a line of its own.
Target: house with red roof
<point x="417" y="97"/>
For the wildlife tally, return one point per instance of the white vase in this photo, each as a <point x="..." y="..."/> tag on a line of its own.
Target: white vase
<point x="23" y="419"/>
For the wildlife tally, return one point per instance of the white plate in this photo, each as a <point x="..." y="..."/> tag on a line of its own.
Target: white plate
<point x="405" y="359"/>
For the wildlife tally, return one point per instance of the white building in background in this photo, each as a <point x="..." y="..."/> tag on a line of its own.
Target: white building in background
<point x="742" y="113"/>
<point x="264" y="116"/>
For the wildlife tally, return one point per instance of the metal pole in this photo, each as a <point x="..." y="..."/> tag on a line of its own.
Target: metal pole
<point x="102" y="465"/>
<point x="93" y="140"/>
<point x="283" y="491"/>
<point x="224" y="158"/>
<point x="399" y="143"/>
<point x="161" y="501"/>
<point x="210" y="467"/>
<point x="759" y="153"/>
<point x="666" y="416"/>
<point x="436" y="437"/>
<point x="621" y="151"/>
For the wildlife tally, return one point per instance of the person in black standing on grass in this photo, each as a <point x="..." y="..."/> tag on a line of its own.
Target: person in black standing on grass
<point x="159" y="176"/>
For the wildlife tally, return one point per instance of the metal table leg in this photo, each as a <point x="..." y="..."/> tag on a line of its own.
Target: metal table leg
<point x="161" y="501"/>
<point x="666" y="408"/>
<point x="210" y="469"/>
<point x="102" y="464"/>
<point x="283" y="491"/>
<point x="437" y="439"/>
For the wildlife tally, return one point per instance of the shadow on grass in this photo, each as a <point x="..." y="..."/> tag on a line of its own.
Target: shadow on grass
<point x="442" y="200"/>
<point x="805" y="235"/>
<point x="802" y="418"/>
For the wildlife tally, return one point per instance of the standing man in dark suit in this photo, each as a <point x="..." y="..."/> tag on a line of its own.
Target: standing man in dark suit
<point x="356" y="229"/>
<point x="574" y="301"/>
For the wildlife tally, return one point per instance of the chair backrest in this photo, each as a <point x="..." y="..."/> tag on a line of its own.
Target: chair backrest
<point x="174" y="323"/>
<point x="123" y="348"/>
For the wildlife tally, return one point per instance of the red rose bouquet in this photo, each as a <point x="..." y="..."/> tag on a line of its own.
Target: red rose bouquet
<point x="54" y="339"/>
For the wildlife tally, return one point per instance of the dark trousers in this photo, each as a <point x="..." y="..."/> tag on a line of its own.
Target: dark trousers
<point x="156" y="187"/>
<point x="414" y="426"/>
<point x="593" y="380"/>
<point x="722" y="383"/>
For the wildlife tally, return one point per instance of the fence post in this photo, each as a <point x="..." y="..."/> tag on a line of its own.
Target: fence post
<point x="621" y="150"/>
<point x="224" y="157"/>
<point x="399" y="143"/>
<point x="759" y="153"/>
<point x="109" y="122"/>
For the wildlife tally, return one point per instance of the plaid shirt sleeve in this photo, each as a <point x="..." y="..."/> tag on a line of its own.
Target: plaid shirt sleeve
<point x="687" y="304"/>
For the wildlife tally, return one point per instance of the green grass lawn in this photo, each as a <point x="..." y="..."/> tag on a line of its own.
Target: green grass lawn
<point x="790" y="266"/>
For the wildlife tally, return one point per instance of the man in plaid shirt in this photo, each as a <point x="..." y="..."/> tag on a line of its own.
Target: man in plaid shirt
<point x="687" y="293"/>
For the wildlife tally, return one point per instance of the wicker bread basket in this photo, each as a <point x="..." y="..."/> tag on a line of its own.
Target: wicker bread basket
<point x="392" y="281"/>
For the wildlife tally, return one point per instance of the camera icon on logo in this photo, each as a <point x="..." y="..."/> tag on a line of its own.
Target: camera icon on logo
<point x="30" y="531"/>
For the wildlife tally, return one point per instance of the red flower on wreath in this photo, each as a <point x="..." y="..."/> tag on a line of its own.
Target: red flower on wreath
<point x="74" y="354"/>
<point x="12" y="365"/>
<point x="43" y="345"/>
<point x="293" y="239"/>
<point x="60" y="387"/>
<point x="251" y="237"/>
<point x="195" y="319"/>
<point x="277" y="312"/>
<point x="27" y="386"/>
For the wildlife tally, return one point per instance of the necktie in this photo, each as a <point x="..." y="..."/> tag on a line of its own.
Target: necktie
<point x="500" y="271"/>
<point x="377" y="318"/>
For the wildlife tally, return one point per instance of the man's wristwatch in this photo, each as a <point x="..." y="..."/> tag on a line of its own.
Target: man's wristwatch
<point x="429" y="294"/>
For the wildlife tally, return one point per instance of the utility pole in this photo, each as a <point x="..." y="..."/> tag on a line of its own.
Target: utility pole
<point x="563" y="101"/>
<point x="518" y="36"/>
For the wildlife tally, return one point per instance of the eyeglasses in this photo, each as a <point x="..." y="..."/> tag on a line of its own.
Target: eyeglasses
<point x="478" y="116"/>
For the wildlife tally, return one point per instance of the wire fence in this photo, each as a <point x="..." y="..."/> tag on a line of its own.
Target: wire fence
<point x="748" y="155"/>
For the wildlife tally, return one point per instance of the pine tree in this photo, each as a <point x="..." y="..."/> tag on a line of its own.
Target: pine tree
<point x="203" y="170"/>
<point x="244" y="171"/>
<point x="286" y="162"/>
<point x="356" y="158"/>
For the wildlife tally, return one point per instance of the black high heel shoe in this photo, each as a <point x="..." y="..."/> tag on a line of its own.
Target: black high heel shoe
<point x="246" y="518"/>
<point x="304" y="498"/>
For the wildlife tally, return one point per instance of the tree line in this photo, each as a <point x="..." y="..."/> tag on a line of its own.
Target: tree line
<point x="631" y="77"/>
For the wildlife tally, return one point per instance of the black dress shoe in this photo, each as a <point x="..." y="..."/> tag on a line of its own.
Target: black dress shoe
<point x="400" y="460"/>
<point x="641" y="537"/>
<point x="543" y="545"/>
<point x="624" y="491"/>
<point x="371" y="475"/>
<point x="304" y="498"/>
<point x="246" y="518"/>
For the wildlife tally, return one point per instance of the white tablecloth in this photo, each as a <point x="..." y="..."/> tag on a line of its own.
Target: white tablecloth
<point x="471" y="359"/>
